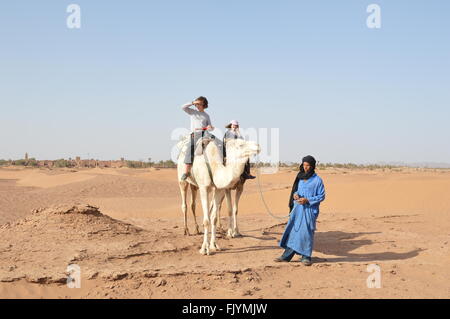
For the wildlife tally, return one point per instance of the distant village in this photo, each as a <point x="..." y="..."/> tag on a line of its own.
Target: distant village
<point x="87" y="163"/>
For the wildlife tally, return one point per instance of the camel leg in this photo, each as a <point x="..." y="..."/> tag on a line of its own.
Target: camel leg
<point x="238" y="194"/>
<point x="218" y="197"/>
<point x="193" y="207"/>
<point x="183" y="190"/>
<point x="230" y="212"/>
<point x="219" y="225"/>
<point x="218" y="222"/>
<point x="204" y="198"/>
<point x="211" y="204"/>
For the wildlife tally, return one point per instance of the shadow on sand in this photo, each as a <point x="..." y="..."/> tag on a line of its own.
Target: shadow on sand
<point x="335" y="243"/>
<point x="341" y="244"/>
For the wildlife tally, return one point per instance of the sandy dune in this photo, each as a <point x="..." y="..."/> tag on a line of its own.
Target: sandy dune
<point x="133" y="245"/>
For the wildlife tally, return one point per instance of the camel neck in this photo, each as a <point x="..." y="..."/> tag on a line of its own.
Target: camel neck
<point x="224" y="176"/>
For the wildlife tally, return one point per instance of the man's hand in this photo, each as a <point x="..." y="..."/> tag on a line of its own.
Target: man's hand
<point x="296" y="197"/>
<point x="210" y="128"/>
<point x="302" y="201"/>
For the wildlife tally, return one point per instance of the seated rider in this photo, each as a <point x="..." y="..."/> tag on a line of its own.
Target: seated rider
<point x="233" y="133"/>
<point x="200" y="127"/>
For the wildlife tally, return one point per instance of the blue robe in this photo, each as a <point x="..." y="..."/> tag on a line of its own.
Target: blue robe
<point x="299" y="232"/>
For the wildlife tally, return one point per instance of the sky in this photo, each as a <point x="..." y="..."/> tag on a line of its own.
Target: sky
<point x="334" y="88"/>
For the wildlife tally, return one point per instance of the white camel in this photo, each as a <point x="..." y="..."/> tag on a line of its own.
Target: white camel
<point x="212" y="179"/>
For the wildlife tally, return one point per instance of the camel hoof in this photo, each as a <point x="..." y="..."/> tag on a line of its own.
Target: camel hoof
<point x="214" y="247"/>
<point x="204" y="250"/>
<point x="186" y="232"/>
<point x="233" y="233"/>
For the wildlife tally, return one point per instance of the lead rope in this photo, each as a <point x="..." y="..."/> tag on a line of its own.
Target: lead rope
<point x="262" y="196"/>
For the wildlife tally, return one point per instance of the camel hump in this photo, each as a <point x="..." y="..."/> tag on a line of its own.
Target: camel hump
<point x="199" y="148"/>
<point x="184" y="141"/>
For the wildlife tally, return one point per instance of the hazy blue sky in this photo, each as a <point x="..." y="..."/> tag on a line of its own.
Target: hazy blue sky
<point x="336" y="89"/>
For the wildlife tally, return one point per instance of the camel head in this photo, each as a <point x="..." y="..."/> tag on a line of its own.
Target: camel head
<point x="239" y="150"/>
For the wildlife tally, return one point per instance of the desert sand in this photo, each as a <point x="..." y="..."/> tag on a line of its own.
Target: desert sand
<point x="124" y="228"/>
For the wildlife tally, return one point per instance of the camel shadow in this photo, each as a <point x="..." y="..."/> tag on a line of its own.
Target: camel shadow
<point x="257" y="237"/>
<point x="247" y="249"/>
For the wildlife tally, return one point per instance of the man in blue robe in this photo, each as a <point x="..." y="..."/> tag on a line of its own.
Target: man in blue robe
<point x="307" y="193"/>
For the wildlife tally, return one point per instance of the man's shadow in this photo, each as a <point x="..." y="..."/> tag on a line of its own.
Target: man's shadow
<point x="341" y="244"/>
